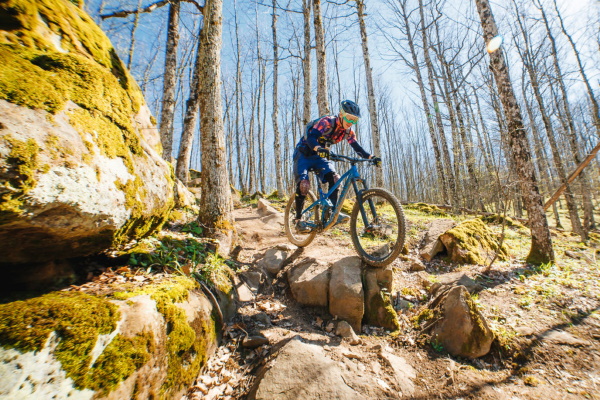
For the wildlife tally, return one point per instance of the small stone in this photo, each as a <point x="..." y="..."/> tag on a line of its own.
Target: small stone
<point x="263" y="318"/>
<point x="344" y="330"/>
<point x="351" y="355"/>
<point x="416" y="265"/>
<point x="330" y="326"/>
<point x="525" y="330"/>
<point x="252" y="342"/>
<point x="562" y="337"/>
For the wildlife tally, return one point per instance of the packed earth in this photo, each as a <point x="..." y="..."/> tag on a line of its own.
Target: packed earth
<point x="545" y="323"/>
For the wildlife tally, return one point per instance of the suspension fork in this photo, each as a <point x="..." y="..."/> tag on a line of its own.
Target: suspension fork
<point x="359" y="199"/>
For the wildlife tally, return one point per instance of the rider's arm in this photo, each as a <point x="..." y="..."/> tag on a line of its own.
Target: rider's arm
<point x="357" y="147"/>
<point x="319" y="129"/>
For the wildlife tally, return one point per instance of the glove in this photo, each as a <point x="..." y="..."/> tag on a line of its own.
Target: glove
<point x="323" y="152"/>
<point x="376" y="161"/>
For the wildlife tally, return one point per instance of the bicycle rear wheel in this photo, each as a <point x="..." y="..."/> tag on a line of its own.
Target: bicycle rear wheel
<point x="380" y="239"/>
<point x="293" y="235"/>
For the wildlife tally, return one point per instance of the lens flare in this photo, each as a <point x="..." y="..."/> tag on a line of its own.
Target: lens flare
<point x="494" y="44"/>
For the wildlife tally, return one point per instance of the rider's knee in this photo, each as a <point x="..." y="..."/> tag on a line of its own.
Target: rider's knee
<point x="303" y="187"/>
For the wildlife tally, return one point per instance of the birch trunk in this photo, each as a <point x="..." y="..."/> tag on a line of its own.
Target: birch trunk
<point x="276" y="136"/>
<point x="541" y="242"/>
<point x="169" y="80"/>
<point x="215" y="203"/>
<point x="306" y="65"/>
<point x="360" y="5"/>
<point x="322" y="90"/>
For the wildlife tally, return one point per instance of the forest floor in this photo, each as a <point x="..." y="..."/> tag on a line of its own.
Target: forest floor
<point x="545" y="319"/>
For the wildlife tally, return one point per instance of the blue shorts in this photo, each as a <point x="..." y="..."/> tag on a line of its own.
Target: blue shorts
<point x="303" y="164"/>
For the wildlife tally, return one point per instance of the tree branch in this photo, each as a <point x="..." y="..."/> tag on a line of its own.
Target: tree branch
<point x="150" y="8"/>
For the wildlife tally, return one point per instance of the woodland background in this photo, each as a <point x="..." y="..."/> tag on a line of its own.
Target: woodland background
<point x="438" y="121"/>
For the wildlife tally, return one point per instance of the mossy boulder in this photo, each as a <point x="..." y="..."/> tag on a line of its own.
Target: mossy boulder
<point x="472" y="242"/>
<point x="458" y="325"/>
<point x="80" y="164"/>
<point x="148" y="343"/>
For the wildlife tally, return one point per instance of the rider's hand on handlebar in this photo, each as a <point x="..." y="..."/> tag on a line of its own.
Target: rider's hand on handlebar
<point x="323" y="152"/>
<point x="376" y="161"/>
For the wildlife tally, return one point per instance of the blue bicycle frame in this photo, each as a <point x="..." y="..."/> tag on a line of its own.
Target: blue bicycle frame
<point x="351" y="177"/>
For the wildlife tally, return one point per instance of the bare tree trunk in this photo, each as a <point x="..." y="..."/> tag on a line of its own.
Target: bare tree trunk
<point x="541" y="242"/>
<point x="322" y="92"/>
<point x="182" y="170"/>
<point x="168" y="101"/>
<point x="528" y="61"/>
<point x="215" y="203"/>
<point x="276" y="136"/>
<point x="440" y="126"/>
<point x="306" y="67"/>
<point x="136" y="20"/>
<point x="588" y="210"/>
<point x="238" y="104"/>
<point x="360" y="5"/>
<point x="415" y="67"/>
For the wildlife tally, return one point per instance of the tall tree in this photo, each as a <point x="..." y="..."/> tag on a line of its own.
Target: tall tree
<point x="275" y="114"/>
<point x="215" y="202"/>
<point x="168" y="99"/>
<point x="322" y="82"/>
<point x="541" y="242"/>
<point x="306" y="6"/>
<point x="360" y="5"/>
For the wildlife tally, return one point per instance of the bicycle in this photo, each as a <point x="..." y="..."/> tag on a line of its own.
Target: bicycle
<point x="377" y="224"/>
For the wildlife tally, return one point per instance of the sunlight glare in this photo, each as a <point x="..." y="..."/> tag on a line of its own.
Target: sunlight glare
<point x="494" y="44"/>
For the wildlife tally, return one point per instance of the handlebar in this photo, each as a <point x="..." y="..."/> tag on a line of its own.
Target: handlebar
<point x="352" y="160"/>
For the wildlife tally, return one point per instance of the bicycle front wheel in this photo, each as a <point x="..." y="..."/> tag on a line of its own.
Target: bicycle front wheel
<point x="378" y="233"/>
<point x="294" y="235"/>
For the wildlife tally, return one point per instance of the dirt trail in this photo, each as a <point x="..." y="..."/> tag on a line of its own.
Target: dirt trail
<point x="552" y="347"/>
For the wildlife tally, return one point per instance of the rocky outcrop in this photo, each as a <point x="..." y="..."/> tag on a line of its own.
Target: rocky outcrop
<point x="431" y="242"/>
<point x="80" y="163"/>
<point x="146" y="343"/>
<point x="346" y="296"/>
<point x="379" y="309"/>
<point x="472" y="242"/>
<point x="459" y="326"/>
<point x="303" y="371"/>
<point x="309" y="282"/>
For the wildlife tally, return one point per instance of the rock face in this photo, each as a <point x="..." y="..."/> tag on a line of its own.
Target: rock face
<point x="273" y="260"/>
<point x="75" y="345"/>
<point x="472" y="242"/>
<point x="462" y="330"/>
<point x="302" y="371"/>
<point x="431" y="243"/>
<point x="309" y="282"/>
<point x="379" y="309"/>
<point x="346" y="296"/>
<point x="80" y="164"/>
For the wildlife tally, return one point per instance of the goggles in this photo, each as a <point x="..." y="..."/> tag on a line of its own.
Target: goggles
<point x="349" y="118"/>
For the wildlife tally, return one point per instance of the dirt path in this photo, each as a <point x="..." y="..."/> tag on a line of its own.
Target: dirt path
<point x="546" y="322"/>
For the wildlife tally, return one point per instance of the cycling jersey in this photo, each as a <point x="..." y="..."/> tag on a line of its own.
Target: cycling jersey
<point x="326" y="131"/>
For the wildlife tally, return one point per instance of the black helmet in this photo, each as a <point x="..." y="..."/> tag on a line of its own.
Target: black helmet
<point x="350" y="107"/>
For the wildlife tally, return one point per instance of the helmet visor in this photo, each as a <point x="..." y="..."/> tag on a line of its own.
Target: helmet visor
<point x="349" y="118"/>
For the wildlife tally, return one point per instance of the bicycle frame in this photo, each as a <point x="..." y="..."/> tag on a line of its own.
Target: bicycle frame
<point x="350" y="178"/>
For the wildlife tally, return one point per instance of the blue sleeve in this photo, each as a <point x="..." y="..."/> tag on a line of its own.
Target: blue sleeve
<point x="359" y="150"/>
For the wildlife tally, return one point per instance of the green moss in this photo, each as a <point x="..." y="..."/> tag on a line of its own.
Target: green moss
<point x="187" y="351"/>
<point x="426" y="208"/>
<point x="121" y="358"/>
<point x="473" y="242"/>
<point x="424" y="315"/>
<point x="381" y="312"/>
<point x="478" y="334"/>
<point x="499" y="220"/>
<point x="22" y="162"/>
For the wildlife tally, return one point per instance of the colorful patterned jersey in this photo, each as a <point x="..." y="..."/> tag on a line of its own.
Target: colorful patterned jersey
<point x="325" y="131"/>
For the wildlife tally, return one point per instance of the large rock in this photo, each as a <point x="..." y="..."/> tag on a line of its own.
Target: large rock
<point x="431" y="243"/>
<point x="273" y="260"/>
<point x="473" y="242"/>
<point x="77" y="345"/>
<point x="309" y="282"/>
<point x="346" y="297"/>
<point x="404" y="373"/>
<point x="461" y="329"/>
<point x="302" y="371"/>
<point x="264" y="208"/>
<point x="379" y="309"/>
<point x="80" y="156"/>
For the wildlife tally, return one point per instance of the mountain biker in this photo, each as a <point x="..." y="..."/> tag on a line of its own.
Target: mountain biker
<point x="312" y="153"/>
